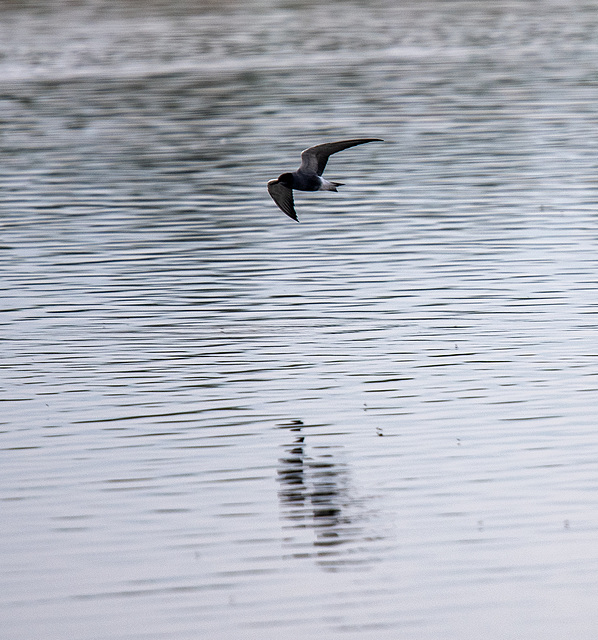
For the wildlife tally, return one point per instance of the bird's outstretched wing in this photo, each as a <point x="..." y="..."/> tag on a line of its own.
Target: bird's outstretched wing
<point x="315" y="158"/>
<point x="283" y="196"/>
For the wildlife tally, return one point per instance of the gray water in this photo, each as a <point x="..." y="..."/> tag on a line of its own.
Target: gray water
<point x="380" y="423"/>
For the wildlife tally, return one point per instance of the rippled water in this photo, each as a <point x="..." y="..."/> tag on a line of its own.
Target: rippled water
<point x="379" y="423"/>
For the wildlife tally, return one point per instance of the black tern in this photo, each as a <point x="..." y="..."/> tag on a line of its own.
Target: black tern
<point x="309" y="175"/>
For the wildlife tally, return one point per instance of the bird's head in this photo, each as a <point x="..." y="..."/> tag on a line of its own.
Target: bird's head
<point x="286" y="179"/>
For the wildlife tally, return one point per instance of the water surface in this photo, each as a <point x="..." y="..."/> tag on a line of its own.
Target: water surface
<point x="379" y="423"/>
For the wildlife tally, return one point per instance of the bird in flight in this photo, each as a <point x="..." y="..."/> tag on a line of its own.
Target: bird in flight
<point x="309" y="175"/>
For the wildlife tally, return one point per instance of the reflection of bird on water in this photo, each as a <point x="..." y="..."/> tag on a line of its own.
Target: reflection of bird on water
<point x="309" y="175"/>
<point x="314" y="491"/>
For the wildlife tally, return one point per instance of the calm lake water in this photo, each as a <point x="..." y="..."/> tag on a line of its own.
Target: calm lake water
<point x="380" y="423"/>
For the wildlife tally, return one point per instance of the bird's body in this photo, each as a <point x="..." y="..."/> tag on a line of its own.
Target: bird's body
<point x="308" y="176"/>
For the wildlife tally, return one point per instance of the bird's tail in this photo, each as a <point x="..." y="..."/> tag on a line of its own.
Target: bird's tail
<point x="326" y="185"/>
